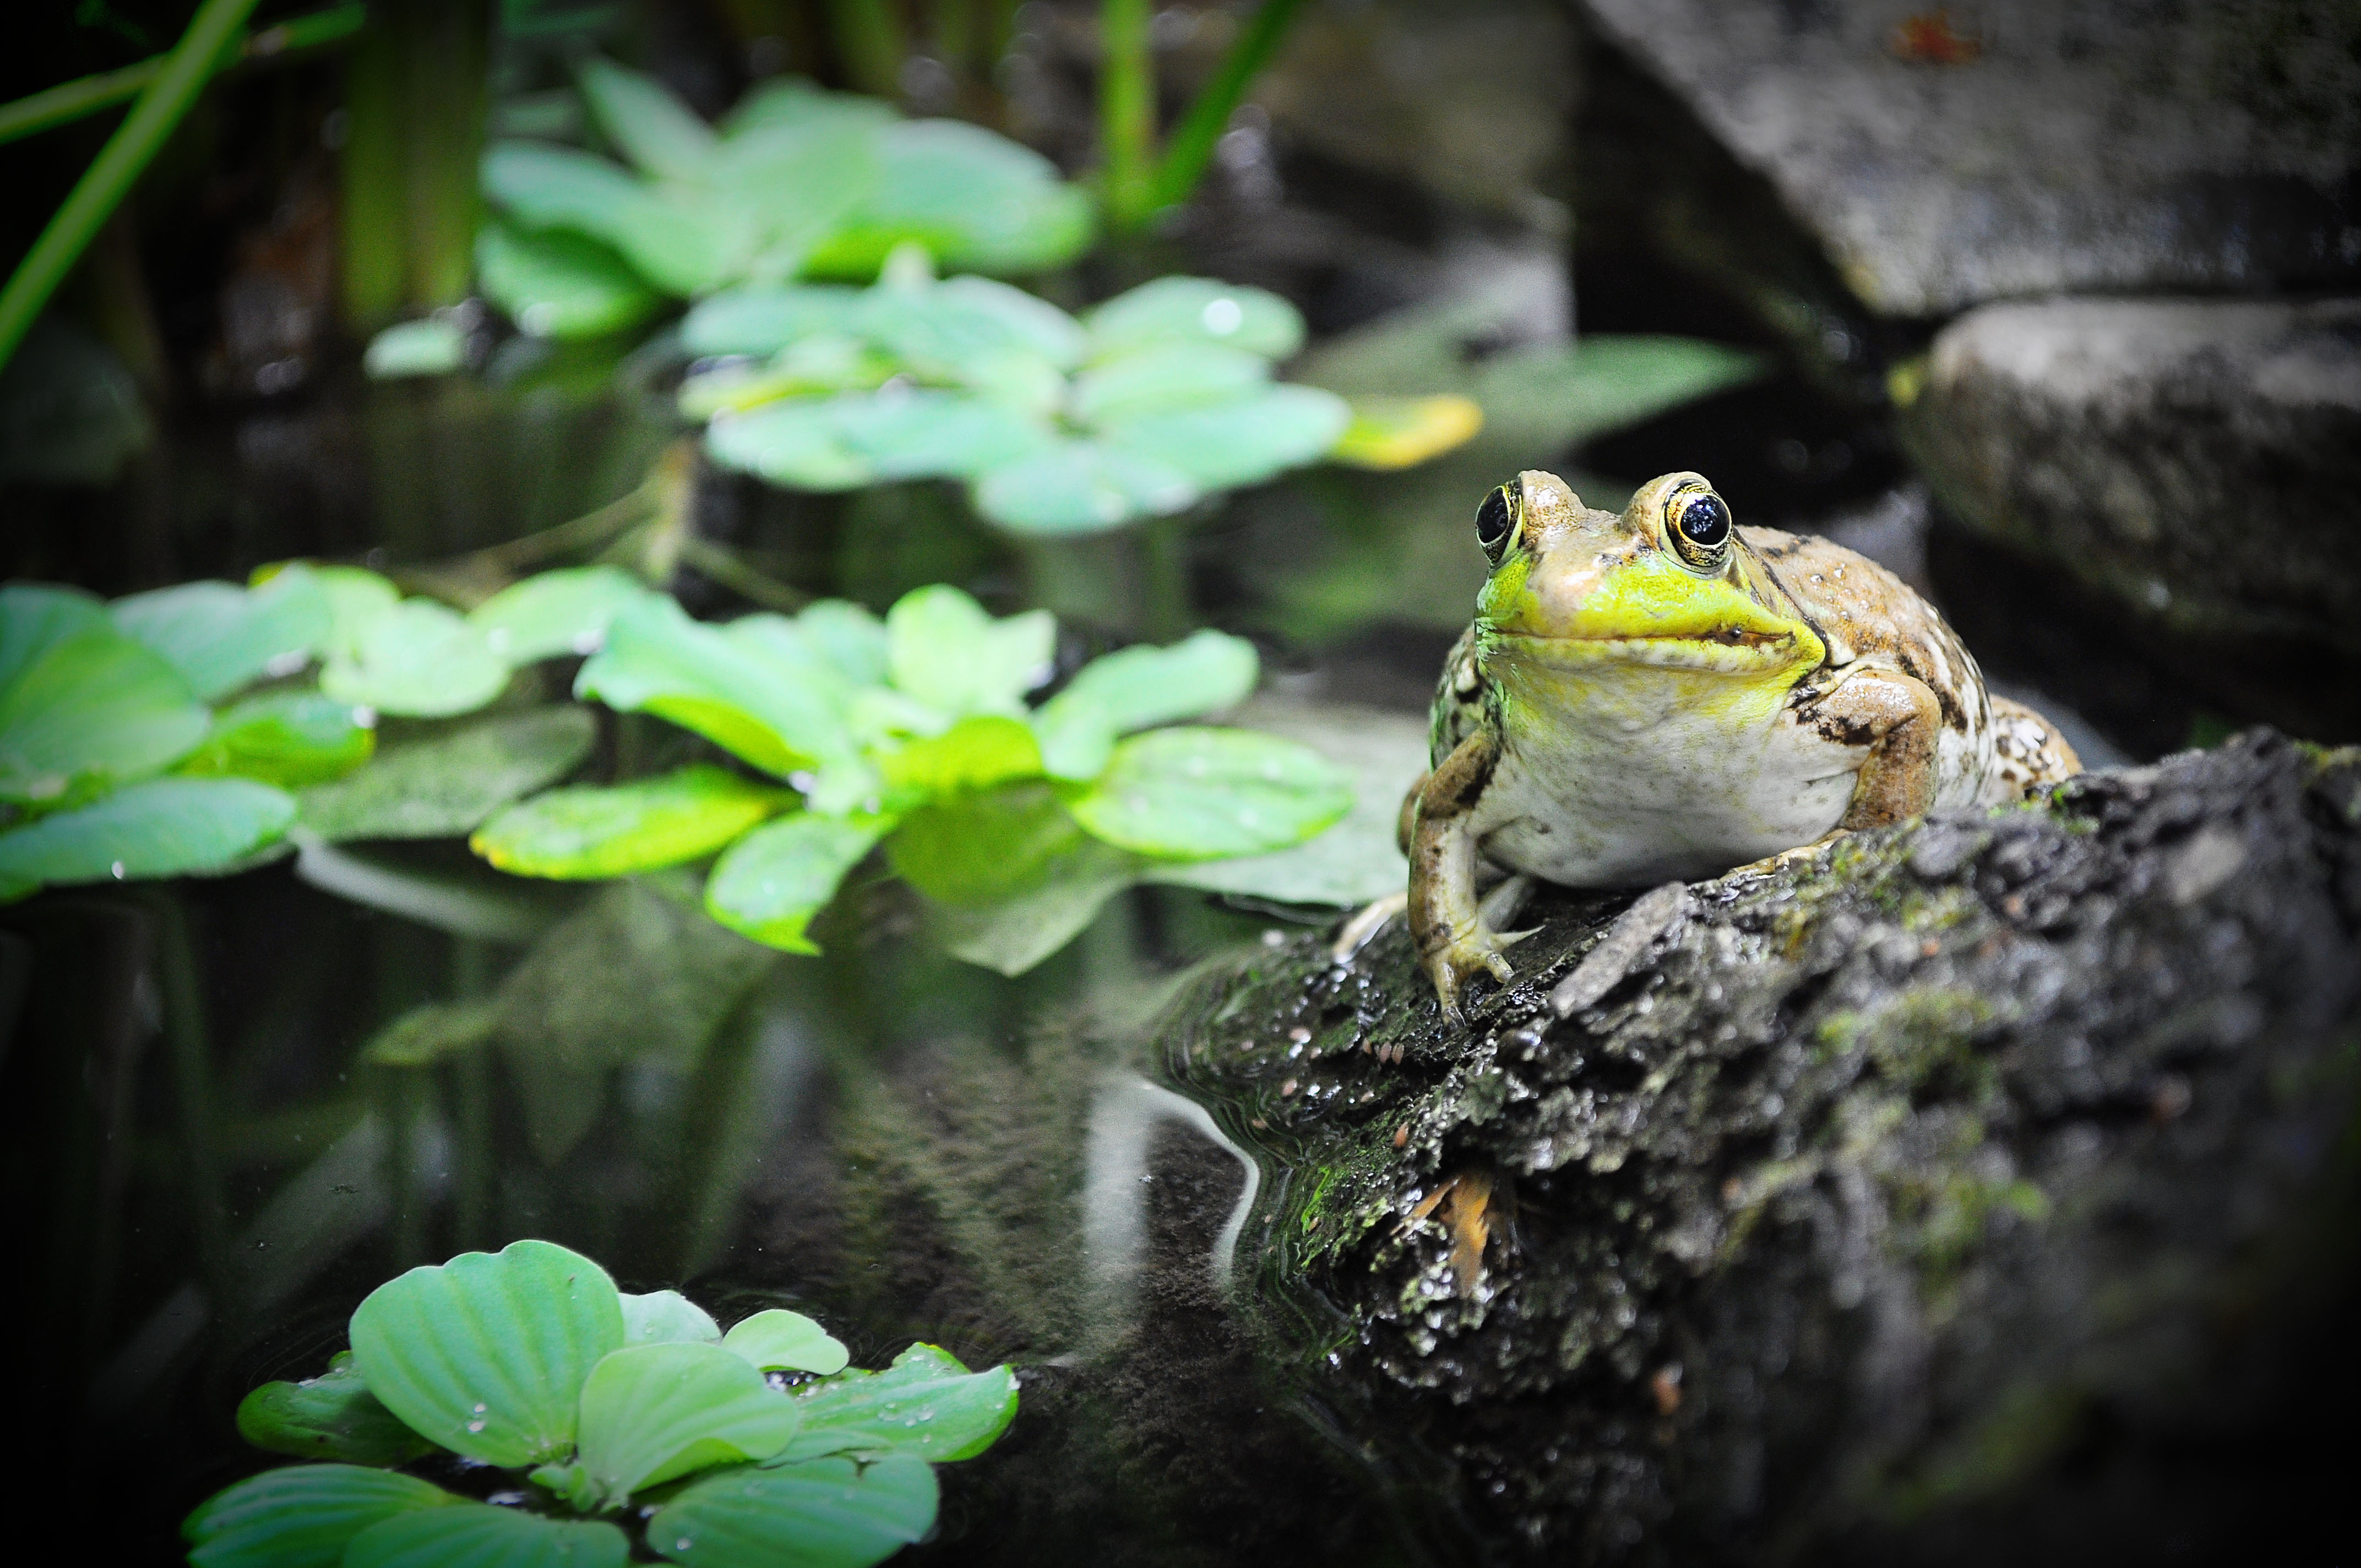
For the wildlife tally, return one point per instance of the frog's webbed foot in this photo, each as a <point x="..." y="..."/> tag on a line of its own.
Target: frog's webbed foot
<point x="1475" y="949"/>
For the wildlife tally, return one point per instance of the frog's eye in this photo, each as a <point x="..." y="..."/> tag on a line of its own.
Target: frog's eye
<point x="1697" y="522"/>
<point x="1496" y="522"/>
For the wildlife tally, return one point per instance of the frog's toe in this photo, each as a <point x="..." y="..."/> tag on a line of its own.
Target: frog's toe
<point x="1457" y="962"/>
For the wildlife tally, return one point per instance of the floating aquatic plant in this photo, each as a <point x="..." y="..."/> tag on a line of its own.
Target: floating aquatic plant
<point x="610" y="1424"/>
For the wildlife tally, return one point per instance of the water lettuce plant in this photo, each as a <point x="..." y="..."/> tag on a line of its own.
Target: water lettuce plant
<point x="1151" y="401"/>
<point x="914" y="732"/>
<point x="592" y="1426"/>
<point x="797" y="182"/>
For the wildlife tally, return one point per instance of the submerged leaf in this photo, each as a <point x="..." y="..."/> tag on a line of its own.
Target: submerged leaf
<point x="565" y="612"/>
<point x="290" y="738"/>
<point x="477" y="1535"/>
<point x="301" y="1516"/>
<point x="485" y="1354"/>
<point x="778" y="1340"/>
<point x="1197" y="794"/>
<point x="667" y="1317"/>
<point x="652" y="1412"/>
<point x="444" y="784"/>
<point x="925" y="1405"/>
<point x="771" y="881"/>
<point x="1012" y="935"/>
<point x="984" y="846"/>
<point x="820" y="1513"/>
<point x="332" y="1416"/>
<point x="592" y="831"/>
<point x="419" y="658"/>
<point x="159" y="827"/>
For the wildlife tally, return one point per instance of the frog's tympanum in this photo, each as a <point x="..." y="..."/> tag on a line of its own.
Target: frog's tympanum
<point x="1666" y="694"/>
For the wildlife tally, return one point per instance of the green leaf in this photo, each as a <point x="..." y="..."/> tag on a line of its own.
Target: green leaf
<point x="857" y="438"/>
<point x="485" y="1354"/>
<point x="792" y="100"/>
<point x="1196" y="309"/>
<point x="985" y="847"/>
<point x="1196" y="793"/>
<point x="431" y="346"/>
<point x="667" y="1317"/>
<point x="943" y="648"/>
<point x="640" y="116"/>
<point x="419" y="658"/>
<point x="821" y="1513"/>
<point x="671" y="237"/>
<point x="550" y="613"/>
<point x="92" y="702"/>
<point x="1012" y="938"/>
<point x="444" y="784"/>
<point x="1081" y="486"/>
<point x="221" y="636"/>
<point x="34" y="617"/>
<point x="159" y="827"/>
<point x="431" y="1033"/>
<point x="777" y="1339"/>
<point x="357" y="599"/>
<point x="556" y="283"/>
<point x="797" y="184"/>
<point x="925" y="1405"/>
<point x="332" y="1416"/>
<point x="302" y="1515"/>
<point x="477" y="1535"/>
<point x="794" y="444"/>
<point x="652" y="1412"/>
<point x="977" y="332"/>
<point x="760" y="319"/>
<point x="1136" y="688"/>
<point x="1355" y="861"/>
<point x="1241" y="441"/>
<point x="742" y="693"/>
<point x="290" y="738"/>
<point x="974" y="753"/>
<point x="977" y="201"/>
<point x="771" y="881"/>
<point x="591" y="831"/>
<point x="1166" y="376"/>
<point x="852" y="640"/>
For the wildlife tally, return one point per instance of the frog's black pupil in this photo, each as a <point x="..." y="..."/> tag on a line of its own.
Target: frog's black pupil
<point x="1705" y="521"/>
<point x="1492" y="518"/>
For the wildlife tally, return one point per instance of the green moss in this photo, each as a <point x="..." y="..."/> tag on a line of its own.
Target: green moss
<point x="2027" y="1425"/>
<point x="1926" y="1042"/>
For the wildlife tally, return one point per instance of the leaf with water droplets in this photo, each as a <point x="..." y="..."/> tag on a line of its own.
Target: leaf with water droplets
<point x="485" y="1354"/>
<point x="419" y="658"/>
<point x="565" y="612"/>
<point x="85" y="701"/>
<point x="654" y="1412"/>
<point x="1193" y="793"/>
<point x="925" y="1405"/>
<point x="220" y="636"/>
<point x="1197" y="310"/>
<point x="332" y="1416"/>
<point x="667" y="1317"/>
<point x="159" y="827"/>
<point x="301" y="1516"/>
<point x="820" y="1513"/>
<point x="590" y="831"/>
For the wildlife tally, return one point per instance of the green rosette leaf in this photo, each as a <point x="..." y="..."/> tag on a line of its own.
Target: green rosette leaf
<point x="1241" y="441"/>
<point x="1136" y="688"/>
<point x="774" y="881"/>
<point x="820" y="1513"/>
<point x="1192" y="794"/>
<point x="652" y="1413"/>
<point x="591" y="831"/>
<point x="159" y="827"/>
<point x="552" y="613"/>
<point x="332" y="1416"/>
<point x="290" y="738"/>
<point x="476" y="1535"/>
<point x="944" y="649"/>
<point x="444" y="784"/>
<point x="778" y="1340"/>
<point x="86" y="702"/>
<point x="667" y="1317"/>
<point x="220" y="636"/>
<point x="557" y="284"/>
<point x="926" y="1406"/>
<point x="487" y="1354"/>
<point x="418" y="659"/>
<point x="1196" y="309"/>
<point x="301" y="1516"/>
<point x="1081" y="486"/>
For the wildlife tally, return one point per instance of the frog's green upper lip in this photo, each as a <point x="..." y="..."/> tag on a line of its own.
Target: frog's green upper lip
<point x="1732" y="650"/>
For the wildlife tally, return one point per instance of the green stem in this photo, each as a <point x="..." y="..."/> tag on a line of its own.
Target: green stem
<point x="1193" y="139"/>
<point x="1128" y="112"/>
<point x="119" y="164"/>
<point x="86" y="95"/>
<point x="869" y="41"/>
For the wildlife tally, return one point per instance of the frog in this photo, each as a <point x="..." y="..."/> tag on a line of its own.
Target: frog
<point x="1662" y="695"/>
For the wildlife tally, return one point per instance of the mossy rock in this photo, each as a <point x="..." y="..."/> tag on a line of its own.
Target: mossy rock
<point x="1983" y="1185"/>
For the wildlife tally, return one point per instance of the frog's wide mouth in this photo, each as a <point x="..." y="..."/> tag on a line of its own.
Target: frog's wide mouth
<point x="1729" y="650"/>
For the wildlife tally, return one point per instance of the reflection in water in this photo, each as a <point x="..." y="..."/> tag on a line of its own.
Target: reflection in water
<point x="1124" y="1121"/>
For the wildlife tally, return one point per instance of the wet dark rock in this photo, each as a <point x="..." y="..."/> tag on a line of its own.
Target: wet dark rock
<point x="1974" y="1189"/>
<point x="2023" y="147"/>
<point x="2191" y="459"/>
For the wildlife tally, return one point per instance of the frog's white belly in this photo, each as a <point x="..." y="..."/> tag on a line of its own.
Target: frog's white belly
<point x="1648" y="787"/>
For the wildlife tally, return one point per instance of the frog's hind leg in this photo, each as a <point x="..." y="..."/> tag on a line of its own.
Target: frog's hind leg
<point x="2029" y="753"/>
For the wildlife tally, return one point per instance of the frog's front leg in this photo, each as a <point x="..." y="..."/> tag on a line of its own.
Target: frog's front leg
<point x="1899" y="721"/>
<point x="1446" y="919"/>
